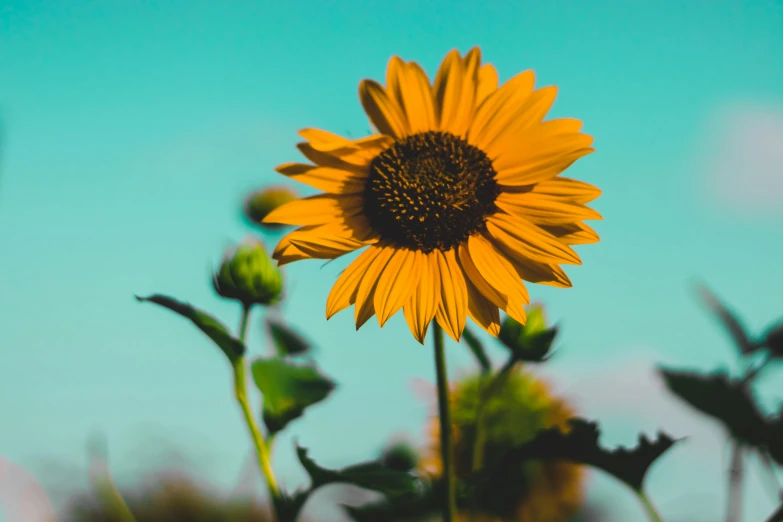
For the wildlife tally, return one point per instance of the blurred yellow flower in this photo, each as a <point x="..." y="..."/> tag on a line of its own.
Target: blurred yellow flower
<point x="549" y="491"/>
<point x="458" y="197"/>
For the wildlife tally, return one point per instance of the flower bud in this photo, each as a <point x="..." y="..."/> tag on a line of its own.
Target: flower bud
<point x="261" y="202"/>
<point x="532" y="341"/>
<point x="248" y="275"/>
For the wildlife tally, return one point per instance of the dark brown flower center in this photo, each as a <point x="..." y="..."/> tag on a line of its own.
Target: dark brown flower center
<point x="430" y="191"/>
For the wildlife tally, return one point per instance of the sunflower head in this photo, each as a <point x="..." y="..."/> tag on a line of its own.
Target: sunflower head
<point x="456" y="200"/>
<point x="548" y="491"/>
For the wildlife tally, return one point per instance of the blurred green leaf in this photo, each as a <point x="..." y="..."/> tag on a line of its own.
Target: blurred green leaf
<point x="728" y="319"/>
<point x="287" y="342"/>
<point x="497" y="493"/>
<point x="773" y="339"/>
<point x="774" y="438"/>
<point x="532" y="341"/>
<point x="401" y="456"/>
<point x="287" y="506"/>
<point x="373" y="475"/>
<point x="214" y="329"/>
<point x="728" y="401"/>
<point x="477" y="348"/>
<point x="288" y="389"/>
<point x="415" y="509"/>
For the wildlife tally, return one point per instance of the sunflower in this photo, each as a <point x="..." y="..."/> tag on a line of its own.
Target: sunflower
<point x="457" y="197"/>
<point x="544" y="491"/>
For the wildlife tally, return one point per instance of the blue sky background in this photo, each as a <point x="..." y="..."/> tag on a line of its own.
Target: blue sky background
<point x="133" y="130"/>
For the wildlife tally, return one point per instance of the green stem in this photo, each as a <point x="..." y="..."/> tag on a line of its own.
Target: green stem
<point x="481" y="434"/>
<point x="240" y="392"/>
<point x="447" y="454"/>
<point x="108" y="493"/>
<point x="734" y="507"/>
<point x="648" y="506"/>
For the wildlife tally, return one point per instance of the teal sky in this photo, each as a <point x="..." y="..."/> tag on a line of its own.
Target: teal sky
<point x="133" y="130"/>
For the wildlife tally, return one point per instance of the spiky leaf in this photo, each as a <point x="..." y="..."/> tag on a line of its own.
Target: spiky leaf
<point x="214" y="329"/>
<point x="728" y="319"/>
<point x="716" y="395"/>
<point x="495" y="491"/>
<point x="373" y="475"/>
<point x="416" y="509"/>
<point x="773" y="340"/>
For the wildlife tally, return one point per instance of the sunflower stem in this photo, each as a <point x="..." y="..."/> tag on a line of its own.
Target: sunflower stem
<point x="649" y="507"/>
<point x="447" y="454"/>
<point x="481" y="435"/>
<point x="240" y="392"/>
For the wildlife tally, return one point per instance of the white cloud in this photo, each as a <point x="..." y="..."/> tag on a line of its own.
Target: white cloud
<point x="743" y="158"/>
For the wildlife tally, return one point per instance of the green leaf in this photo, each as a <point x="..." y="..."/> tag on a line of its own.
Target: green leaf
<point x="728" y="401"/>
<point x="774" y="438"/>
<point x="214" y="329"/>
<point x="418" y="508"/>
<point x="532" y="341"/>
<point x="773" y="339"/>
<point x="287" y="506"/>
<point x="477" y="348"/>
<point x="288" y="389"/>
<point x="373" y="475"/>
<point x="728" y="319"/>
<point x="496" y="492"/>
<point x="287" y="342"/>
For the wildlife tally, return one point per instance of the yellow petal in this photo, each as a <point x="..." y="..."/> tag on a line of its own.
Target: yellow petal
<point x="536" y="108"/>
<point x="323" y="140"/>
<point x="499" y="108"/>
<point x="383" y="111"/>
<point x="335" y="181"/>
<point x="455" y="91"/>
<point x="423" y="303"/>
<point x="573" y="233"/>
<point x="343" y="293"/>
<point x="483" y="312"/>
<point x="544" y="210"/>
<point x="496" y="270"/>
<point x="572" y="189"/>
<point x="416" y="99"/>
<point x="540" y="169"/>
<point x="355" y="162"/>
<point x="512" y="305"/>
<point x="328" y="241"/>
<point x="316" y="210"/>
<point x="487" y="83"/>
<point x="536" y="272"/>
<point x="394" y="72"/>
<point x="285" y="252"/>
<point x="399" y="279"/>
<point x="453" y="308"/>
<point x="528" y="240"/>
<point x="527" y="119"/>
<point x="364" y="307"/>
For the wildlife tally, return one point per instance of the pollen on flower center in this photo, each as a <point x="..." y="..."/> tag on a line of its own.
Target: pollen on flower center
<point x="430" y="191"/>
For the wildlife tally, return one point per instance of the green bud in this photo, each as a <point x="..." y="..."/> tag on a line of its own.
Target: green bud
<point x="262" y="202"/>
<point x="532" y="341"/>
<point x="248" y="275"/>
<point x="400" y="455"/>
